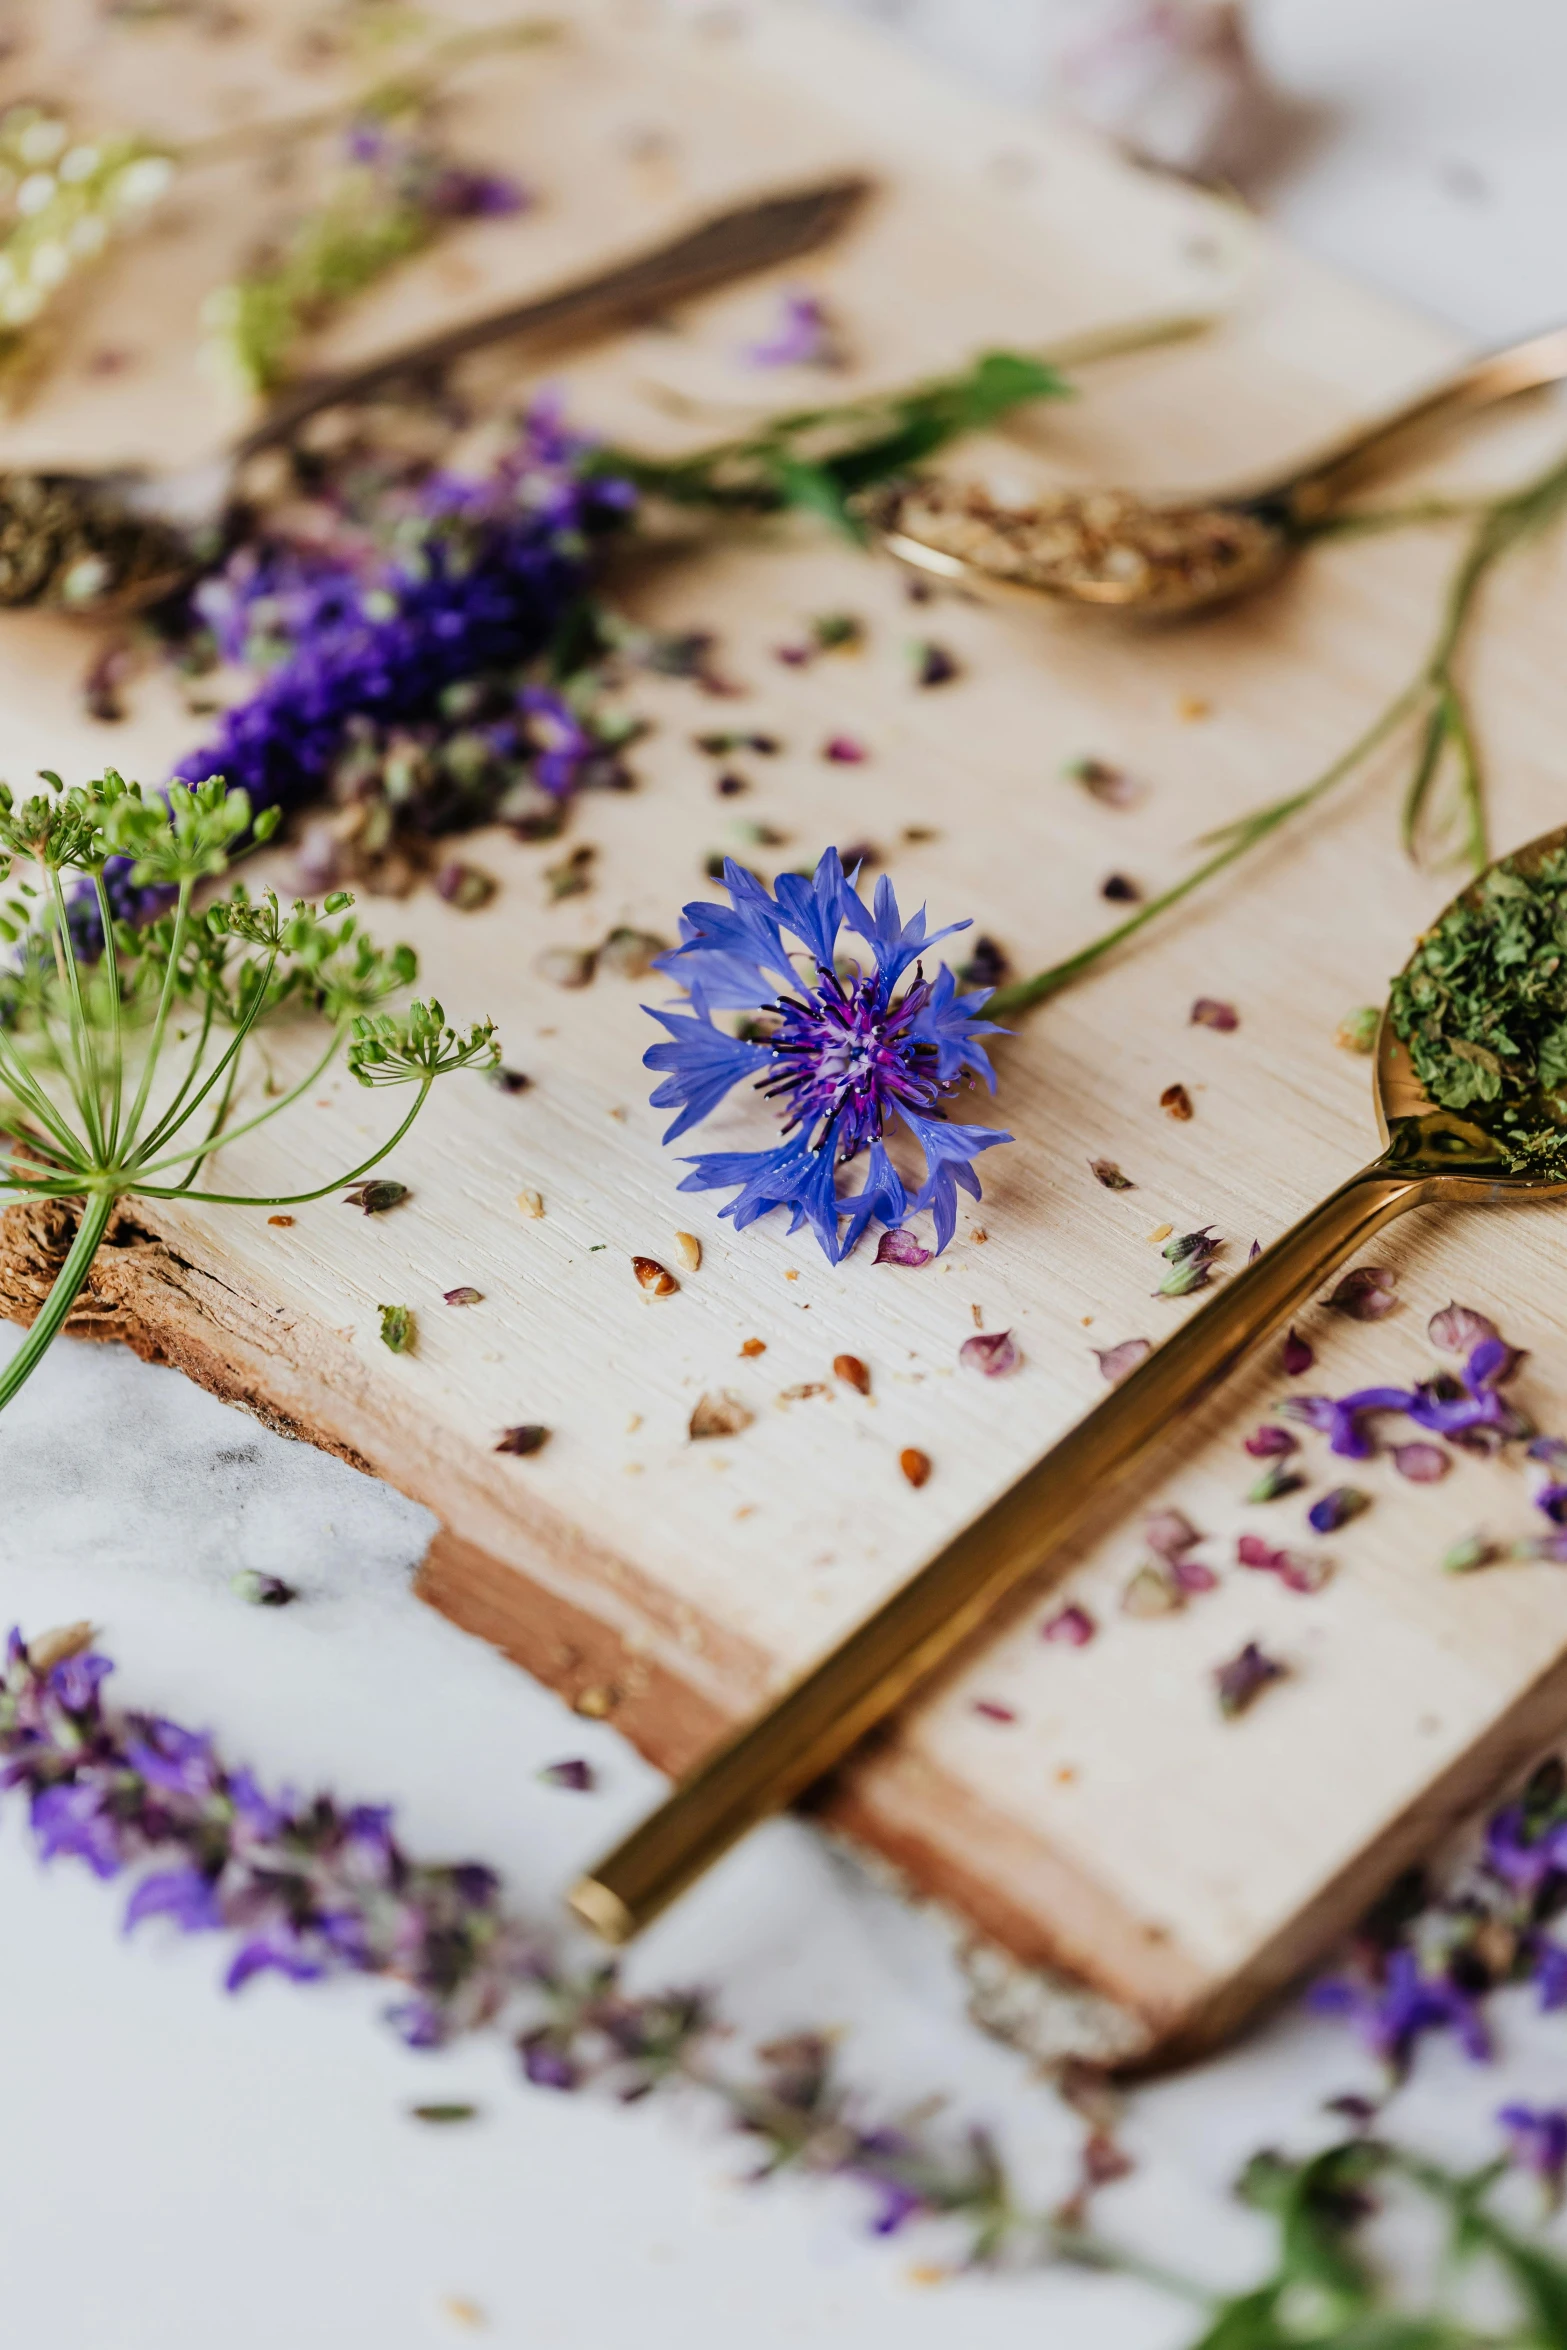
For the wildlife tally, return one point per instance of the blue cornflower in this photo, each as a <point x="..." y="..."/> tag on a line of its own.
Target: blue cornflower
<point x="841" y="1049"/>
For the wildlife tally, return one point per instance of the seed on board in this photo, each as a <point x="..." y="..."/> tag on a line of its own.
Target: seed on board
<point x="531" y="1204"/>
<point x="1176" y="1102"/>
<point x="852" y="1372"/>
<point x="283" y="1220"/>
<point x="754" y="1346"/>
<point x="689" y="1250"/>
<point x="527" y="1438"/>
<point x="720" y="1414"/>
<point x="595" y="1703"/>
<point x="914" y="1464"/>
<point x="653" y="1277"/>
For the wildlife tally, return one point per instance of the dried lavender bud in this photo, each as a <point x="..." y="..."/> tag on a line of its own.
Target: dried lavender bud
<point x="508" y="1080"/>
<point x="572" y="874"/>
<point x="843" y="750"/>
<point x="376" y="1198"/>
<point x="901" y="1248"/>
<point x="993" y="1353"/>
<point x="1275" y="1482"/>
<point x="1456" y="1329"/>
<point x="1270" y="1443"/>
<point x="259" y="1590"/>
<point x="467" y="887"/>
<point x="852" y="1372"/>
<point x="1115" y="1361"/>
<point x="1335" y="1509"/>
<point x="1299" y="1355"/>
<point x="986" y="967"/>
<point x="1296" y="1570"/>
<point x="1151" y="1592"/>
<point x="629" y="953"/>
<point x="1422" y="1464"/>
<point x="1120" y="890"/>
<point x="1208" y="1012"/>
<point x="1189" y="1256"/>
<point x="1243" y="1679"/>
<point x="1106" y="1171"/>
<point x="1366" y="1294"/>
<point x="933" y="664"/>
<point x="720" y="1414"/>
<point x="1357" y="1031"/>
<point x="1176" y="1102"/>
<point x="1109" y="785"/>
<point x="914" y="1464"/>
<point x="1169" y="1533"/>
<point x="575" y="1775"/>
<point x="1475" y="1550"/>
<point x="1073" y="1626"/>
<point x="654" y="1277"/>
<point x="463" y="1296"/>
<point x="397" y="1328"/>
<point x="520" y="1441"/>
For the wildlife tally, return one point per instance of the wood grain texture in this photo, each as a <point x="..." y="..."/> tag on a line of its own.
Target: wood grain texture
<point x="1117" y="1826"/>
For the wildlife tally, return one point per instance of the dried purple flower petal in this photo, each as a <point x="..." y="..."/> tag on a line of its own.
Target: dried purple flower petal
<point x="1457" y="1329"/>
<point x="1298" y="1355"/>
<point x="1366" y="1294"/>
<point x="994" y="1353"/>
<point x="375" y="1198"/>
<point x="901" y="1248"/>
<point x="1296" y="1570"/>
<point x="1275" y="1482"/>
<point x="842" y="750"/>
<point x="1243" y="1679"/>
<point x="1120" y="890"/>
<point x="508" y="1080"/>
<point x="1335" y="1509"/>
<point x="1072" y="1625"/>
<point x="1269" y="1443"/>
<point x="467" y="887"/>
<point x="992" y="1711"/>
<point x="1176" y="1102"/>
<point x="1115" y="1361"/>
<point x="261" y="1590"/>
<point x="524" y="1439"/>
<point x="1537" y="2142"/>
<point x="1192" y="1576"/>
<point x="1106" y="1171"/>
<point x="1112" y="786"/>
<point x="1422" y="1464"/>
<point x="463" y="1296"/>
<point x="1209" y="1012"/>
<point x="803" y="337"/>
<point x="933" y="663"/>
<point x="577" y="1776"/>
<point x="1169" y="1533"/>
<point x="1151" y="1592"/>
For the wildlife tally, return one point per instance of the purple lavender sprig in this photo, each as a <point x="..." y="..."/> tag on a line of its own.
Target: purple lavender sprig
<point x="840" y="1047"/>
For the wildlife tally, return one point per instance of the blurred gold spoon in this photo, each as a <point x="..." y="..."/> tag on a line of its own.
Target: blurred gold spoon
<point x="1430" y="1157"/>
<point x="1124" y="553"/>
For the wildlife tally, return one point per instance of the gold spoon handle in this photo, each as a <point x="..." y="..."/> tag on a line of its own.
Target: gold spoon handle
<point x="1501" y="375"/>
<point x="814" y="1723"/>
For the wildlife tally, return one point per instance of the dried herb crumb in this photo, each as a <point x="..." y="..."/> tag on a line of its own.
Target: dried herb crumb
<point x="572" y="874"/>
<point x="508" y="1080"/>
<point x="986" y="967"/>
<point x="565" y="966"/>
<point x="467" y="887"/>
<point x="1176" y="1102"/>
<point x="1151" y="1591"/>
<point x="729" y="786"/>
<point x="655" y="1278"/>
<point x="1071" y="1625"/>
<point x="1120" y="889"/>
<point x="376" y="1198"/>
<point x="1299" y="1355"/>
<point x="1335" y="1509"/>
<point x="463" y="1296"/>
<point x="933" y="663"/>
<point x="1112" y="786"/>
<point x="901" y="1248"/>
<point x="1240" y="1682"/>
<point x="719" y="1414"/>
<point x="575" y="1775"/>
<point x="628" y="953"/>
<point x="689" y="1250"/>
<point x="397" y="1328"/>
<point x="259" y="1590"/>
<point x="914" y="1464"/>
<point x="753" y="1346"/>
<point x="1367" y="1294"/>
<point x="1209" y="1012"/>
<point x="283" y="1222"/>
<point x="531" y="1204"/>
<point x="1275" y="1482"/>
<point x="992" y="1711"/>
<point x="445" y="2114"/>
<point x="844" y="750"/>
<point x="1357" y="1031"/>
<point x="837" y="632"/>
<point x="1472" y="1552"/>
<point x="523" y="1440"/>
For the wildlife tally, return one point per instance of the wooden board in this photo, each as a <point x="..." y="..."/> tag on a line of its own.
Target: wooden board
<point x="1116" y="1827"/>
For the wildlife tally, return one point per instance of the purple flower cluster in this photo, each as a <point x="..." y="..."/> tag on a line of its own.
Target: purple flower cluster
<point x="1468" y="1408"/>
<point x="841" y="1048"/>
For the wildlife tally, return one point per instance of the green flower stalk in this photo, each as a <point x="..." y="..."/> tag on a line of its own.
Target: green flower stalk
<point x="122" y="1046"/>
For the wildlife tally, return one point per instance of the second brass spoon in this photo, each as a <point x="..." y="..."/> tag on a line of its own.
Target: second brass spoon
<point x="1120" y="552"/>
<point x="1501" y="1150"/>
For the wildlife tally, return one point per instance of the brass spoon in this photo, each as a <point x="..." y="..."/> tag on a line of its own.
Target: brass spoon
<point x="1120" y="552"/>
<point x="1429" y="1157"/>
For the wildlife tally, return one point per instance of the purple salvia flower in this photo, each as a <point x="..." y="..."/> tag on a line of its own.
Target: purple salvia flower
<point x="1537" y="2142"/>
<point x="1268" y="1443"/>
<point x="848" y="1051"/>
<point x="186" y="1896"/>
<point x="803" y="336"/>
<point x="1422" y="1464"/>
<point x="1392" y="2016"/>
<point x="1335" y="1509"/>
<point x="1366" y="1294"/>
<point x="71" y="1822"/>
<point x="1458" y="1328"/>
<point x="1343" y="1420"/>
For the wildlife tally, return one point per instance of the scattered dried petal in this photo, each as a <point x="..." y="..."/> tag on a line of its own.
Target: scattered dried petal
<point x="993" y="1353"/>
<point x="852" y="1372"/>
<point x="376" y="1198"/>
<point x="1422" y="1464"/>
<point x="753" y="1346"/>
<point x="1270" y="1443"/>
<point x="467" y="887"/>
<point x="1168" y="1533"/>
<point x="1296" y="1570"/>
<point x="1191" y="1575"/>
<point x="463" y="1296"/>
<point x="1209" y="1012"/>
<point x="914" y="1464"/>
<point x="629" y="953"/>
<point x="986" y="966"/>
<point x="257" y="1590"/>
<point x="575" y="1775"/>
<point x="838" y="632"/>
<point x="1299" y="1355"/>
<point x="1244" y="1678"/>
<point x="901" y="1248"/>
<point x="397" y="1328"/>
<point x="1120" y="890"/>
<point x="1366" y="1294"/>
<point x="508" y="1080"/>
<point x="1357" y="1031"/>
<point x="933" y="663"/>
<point x="803" y="1390"/>
<point x="523" y="1440"/>
<point x="572" y="874"/>
<point x="719" y="1414"/>
<point x="1176" y="1102"/>
<point x="844" y="751"/>
<point x="1115" y="1361"/>
<point x="1275" y="1482"/>
<point x="992" y="1711"/>
<point x="654" y="1277"/>
<point x="284" y="1221"/>
<point x="1112" y="786"/>
<point x="1475" y="1550"/>
<point x="1106" y="1171"/>
<point x="565" y="966"/>
<point x="1072" y="1625"/>
<point x="1458" y="1328"/>
<point x="1335" y="1509"/>
<point x="531" y="1204"/>
<point x="1151" y="1592"/>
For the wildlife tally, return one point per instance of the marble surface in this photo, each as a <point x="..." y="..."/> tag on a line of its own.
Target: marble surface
<point x="178" y="2169"/>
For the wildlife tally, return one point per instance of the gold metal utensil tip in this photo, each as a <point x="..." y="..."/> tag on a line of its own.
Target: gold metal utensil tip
<point x="602" y="1912"/>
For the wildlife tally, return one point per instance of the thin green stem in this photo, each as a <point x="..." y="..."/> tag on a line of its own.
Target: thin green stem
<point x="295" y="1199"/>
<point x="87" y="1084"/>
<point x="168" y="1124"/>
<point x="283" y="1102"/>
<point x="111" y="970"/>
<point x="166" y="1121"/>
<point x="21" y="1081"/>
<point x="68" y="1284"/>
<point x="165" y="998"/>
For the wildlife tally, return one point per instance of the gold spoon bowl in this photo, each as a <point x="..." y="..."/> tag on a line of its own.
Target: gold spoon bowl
<point x="1115" y="550"/>
<point x="1430" y="1156"/>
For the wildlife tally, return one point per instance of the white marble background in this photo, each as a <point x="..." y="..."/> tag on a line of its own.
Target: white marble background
<point x="183" y="2172"/>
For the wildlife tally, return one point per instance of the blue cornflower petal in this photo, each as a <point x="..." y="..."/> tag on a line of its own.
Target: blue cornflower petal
<point x="950" y="1022"/>
<point x="895" y="943"/>
<point x="793" y="1177"/>
<point x="883" y="1195"/>
<point x="949" y="1151"/>
<point x="726" y="952"/>
<point x="704" y="1065"/>
<point x="815" y="910"/>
